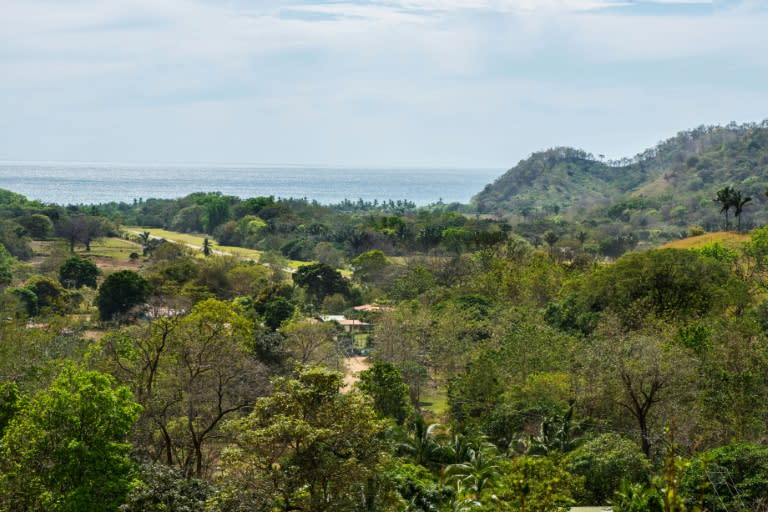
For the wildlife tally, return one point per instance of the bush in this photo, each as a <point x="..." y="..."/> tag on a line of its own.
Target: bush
<point x="604" y="462"/>
<point x="160" y="488"/>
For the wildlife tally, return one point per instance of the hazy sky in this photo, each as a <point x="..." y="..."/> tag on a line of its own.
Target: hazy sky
<point x="460" y="83"/>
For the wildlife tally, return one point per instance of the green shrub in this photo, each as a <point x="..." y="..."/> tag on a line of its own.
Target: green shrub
<point x="604" y="462"/>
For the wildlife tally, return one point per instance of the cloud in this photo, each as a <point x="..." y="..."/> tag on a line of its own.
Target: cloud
<point x="454" y="74"/>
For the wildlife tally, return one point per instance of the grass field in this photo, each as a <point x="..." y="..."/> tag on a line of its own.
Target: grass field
<point x="727" y="239"/>
<point x="195" y="241"/>
<point x="107" y="253"/>
<point x="116" y="249"/>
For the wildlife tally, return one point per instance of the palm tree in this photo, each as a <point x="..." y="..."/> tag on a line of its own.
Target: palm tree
<point x="738" y="206"/>
<point x="558" y="433"/>
<point x="725" y="198"/>
<point x="144" y="238"/>
<point x="478" y="472"/>
<point x="423" y="442"/>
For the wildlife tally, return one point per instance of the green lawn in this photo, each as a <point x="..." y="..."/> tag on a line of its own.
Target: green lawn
<point x="195" y="241"/>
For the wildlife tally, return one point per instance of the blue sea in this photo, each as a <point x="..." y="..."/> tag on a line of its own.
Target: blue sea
<point x="101" y="183"/>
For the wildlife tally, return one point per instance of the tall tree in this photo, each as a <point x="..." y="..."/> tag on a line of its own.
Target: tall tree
<point x="643" y="378"/>
<point x="320" y="280"/>
<point x="65" y="449"/>
<point x="725" y="197"/>
<point x="305" y="447"/>
<point x="385" y="385"/>
<point x="739" y="202"/>
<point x="190" y="374"/>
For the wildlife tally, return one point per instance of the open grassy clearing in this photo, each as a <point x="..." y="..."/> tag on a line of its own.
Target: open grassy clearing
<point x="116" y="249"/>
<point x="195" y="241"/>
<point x="731" y="240"/>
<point x="434" y="401"/>
<point x="106" y="253"/>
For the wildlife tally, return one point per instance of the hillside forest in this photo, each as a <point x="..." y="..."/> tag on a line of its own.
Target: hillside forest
<point x="583" y="333"/>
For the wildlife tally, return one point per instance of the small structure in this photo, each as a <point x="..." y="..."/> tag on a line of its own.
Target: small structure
<point x="349" y="325"/>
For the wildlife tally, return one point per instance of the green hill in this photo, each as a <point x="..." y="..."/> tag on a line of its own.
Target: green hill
<point x="673" y="183"/>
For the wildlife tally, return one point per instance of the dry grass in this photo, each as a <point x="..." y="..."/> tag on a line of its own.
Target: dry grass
<point x="108" y="254"/>
<point x="726" y="238"/>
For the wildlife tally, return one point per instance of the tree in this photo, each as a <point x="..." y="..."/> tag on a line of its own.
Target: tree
<point x="15" y="240"/>
<point x="477" y="472"/>
<point x="320" y="280"/>
<point x="189" y="219"/>
<point x="672" y="284"/>
<point x="725" y="197"/>
<point x="305" y="447"/>
<point x="9" y="404"/>
<point x="6" y="263"/>
<point x="120" y="292"/>
<point x="91" y="228"/>
<point x="385" y="385"/>
<point x="81" y="228"/>
<point x="78" y="272"/>
<point x="275" y="311"/>
<point x="639" y="378"/>
<point x="313" y="343"/>
<point x="533" y="484"/>
<point x="730" y="477"/>
<point x="51" y="297"/>
<point x="370" y="265"/>
<point x="144" y="239"/>
<point x="38" y="226"/>
<point x="65" y="449"/>
<point x="739" y="202"/>
<point x="190" y="374"/>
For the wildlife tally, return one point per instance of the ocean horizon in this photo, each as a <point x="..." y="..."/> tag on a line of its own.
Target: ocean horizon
<point x="94" y="183"/>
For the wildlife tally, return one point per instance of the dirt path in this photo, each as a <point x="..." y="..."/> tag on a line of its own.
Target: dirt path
<point x="354" y="365"/>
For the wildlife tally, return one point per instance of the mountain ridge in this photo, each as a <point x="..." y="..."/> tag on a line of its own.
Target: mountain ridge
<point x="685" y="170"/>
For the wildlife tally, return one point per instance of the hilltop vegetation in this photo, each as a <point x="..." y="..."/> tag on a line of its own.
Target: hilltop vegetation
<point x="655" y="196"/>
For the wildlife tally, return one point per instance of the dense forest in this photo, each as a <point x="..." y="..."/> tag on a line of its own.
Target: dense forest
<point x="538" y="349"/>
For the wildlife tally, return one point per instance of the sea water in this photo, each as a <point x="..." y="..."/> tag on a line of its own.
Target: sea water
<point x="68" y="183"/>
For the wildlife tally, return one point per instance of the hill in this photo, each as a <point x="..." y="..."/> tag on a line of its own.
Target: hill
<point x="672" y="184"/>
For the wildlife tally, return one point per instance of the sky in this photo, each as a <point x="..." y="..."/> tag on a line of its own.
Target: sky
<point x="428" y="83"/>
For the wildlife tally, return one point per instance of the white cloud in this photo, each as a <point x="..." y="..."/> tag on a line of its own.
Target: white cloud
<point x="379" y="72"/>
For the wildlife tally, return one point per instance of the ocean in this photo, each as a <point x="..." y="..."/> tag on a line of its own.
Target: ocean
<point x="103" y="183"/>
